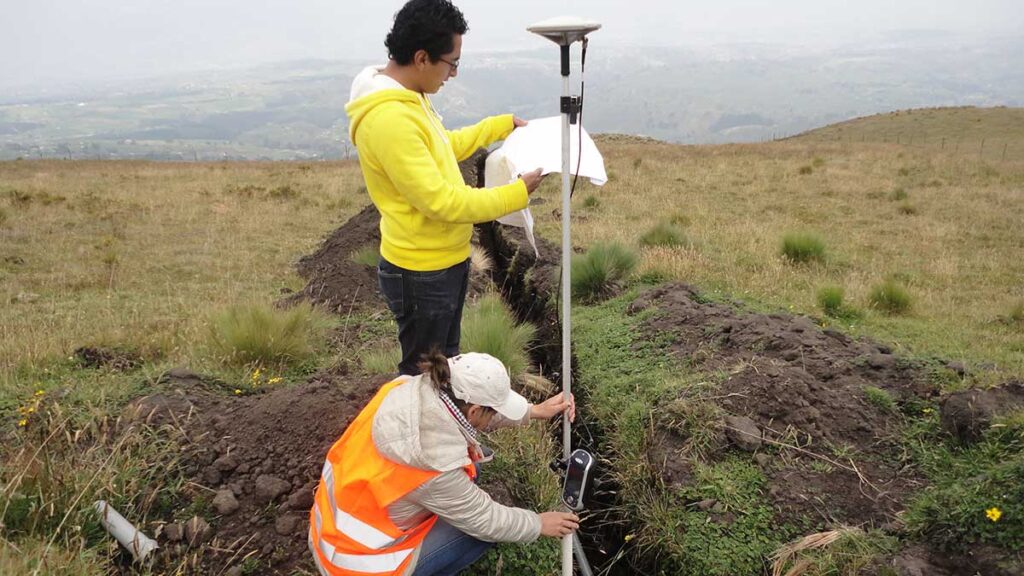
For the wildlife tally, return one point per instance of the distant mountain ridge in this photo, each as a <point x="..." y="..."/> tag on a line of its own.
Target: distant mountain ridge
<point x="295" y="110"/>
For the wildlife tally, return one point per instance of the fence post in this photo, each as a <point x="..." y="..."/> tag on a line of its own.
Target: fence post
<point x="1004" y="150"/>
<point x="981" y="151"/>
<point x="943" y="142"/>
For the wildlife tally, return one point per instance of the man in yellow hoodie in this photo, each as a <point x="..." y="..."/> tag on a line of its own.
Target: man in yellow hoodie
<point x="410" y="164"/>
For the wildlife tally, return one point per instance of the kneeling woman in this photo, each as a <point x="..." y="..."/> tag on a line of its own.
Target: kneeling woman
<point x="397" y="495"/>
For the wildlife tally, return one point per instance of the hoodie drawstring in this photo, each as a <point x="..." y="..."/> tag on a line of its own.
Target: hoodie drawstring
<point x="432" y="117"/>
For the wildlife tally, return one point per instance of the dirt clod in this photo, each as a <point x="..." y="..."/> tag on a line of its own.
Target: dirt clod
<point x="967" y="415"/>
<point x="197" y="531"/>
<point x="743" y="432"/>
<point x="225" y="502"/>
<point x="268" y="488"/>
<point x="173" y="532"/>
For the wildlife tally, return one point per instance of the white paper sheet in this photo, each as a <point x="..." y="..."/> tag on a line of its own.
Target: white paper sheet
<point x="539" y="145"/>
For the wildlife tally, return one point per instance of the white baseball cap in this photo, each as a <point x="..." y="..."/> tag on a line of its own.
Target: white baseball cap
<point x="483" y="380"/>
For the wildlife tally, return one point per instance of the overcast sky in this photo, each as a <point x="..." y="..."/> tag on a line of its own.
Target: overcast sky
<point x="53" y="41"/>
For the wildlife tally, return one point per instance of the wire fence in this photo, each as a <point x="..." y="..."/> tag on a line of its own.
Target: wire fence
<point x="984" y="148"/>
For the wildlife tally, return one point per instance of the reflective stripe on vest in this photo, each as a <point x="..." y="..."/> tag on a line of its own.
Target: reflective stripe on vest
<point x="348" y="524"/>
<point x="373" y="563"/>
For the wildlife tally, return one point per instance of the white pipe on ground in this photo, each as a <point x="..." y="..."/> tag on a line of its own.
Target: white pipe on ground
<point x="140" y="545"/>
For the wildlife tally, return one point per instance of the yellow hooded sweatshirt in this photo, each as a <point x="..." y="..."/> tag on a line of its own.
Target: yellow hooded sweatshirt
<point x="410" y="164"/>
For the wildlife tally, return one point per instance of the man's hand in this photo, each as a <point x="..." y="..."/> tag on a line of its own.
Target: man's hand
<point x="518" y="122"/>
<point x="554" y="406"/>
<point x="558" y="524"/>
<point x="532" y="180"/>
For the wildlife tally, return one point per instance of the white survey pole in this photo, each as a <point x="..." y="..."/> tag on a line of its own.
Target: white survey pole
<point x="564" y="31"/>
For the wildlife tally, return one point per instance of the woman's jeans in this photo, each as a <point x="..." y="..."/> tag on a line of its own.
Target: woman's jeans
<point x="448" y="550"/>
<point x="427" y="307"/>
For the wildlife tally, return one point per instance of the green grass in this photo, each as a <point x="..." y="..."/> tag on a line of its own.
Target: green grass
<point x="664" y="234"/>
<point x="488" y="327"/>
<point x="262" y="335"/>
<point x="890" y="297"/>
<point x="625" y="377"/>
<point x="966" y="482"/>
<point x="880" y="399"/>
<point x="855" y="552"/>
<point x="803" y="248"/>
<point x="367" y="256"/>
<point x="592" y="202"/>
<point x="830" y="300"/>
<point x="597" y="273"/>
<point x="381" y="360"/>
<point x="519" y="454"/>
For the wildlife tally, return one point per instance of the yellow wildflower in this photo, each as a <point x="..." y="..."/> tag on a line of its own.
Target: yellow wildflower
<point x="274" y="380"/>
<point x="927" y="410"/>
<point x="256" y="374"/>
<point x="629" y="537"/>
<point x="237" y="391"/>
<point x="994" y="514"/>
<point x="40" y="392"/>
<point x="23" y="422"/>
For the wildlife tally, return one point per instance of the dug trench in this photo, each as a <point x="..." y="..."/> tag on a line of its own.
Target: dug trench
<point x="817" y="411"/>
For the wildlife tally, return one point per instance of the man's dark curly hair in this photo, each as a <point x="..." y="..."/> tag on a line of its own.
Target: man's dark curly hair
<point x="425" y="25"/>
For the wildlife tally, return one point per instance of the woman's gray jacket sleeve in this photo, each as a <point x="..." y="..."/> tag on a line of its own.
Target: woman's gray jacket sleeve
<point x="454" y="497"/>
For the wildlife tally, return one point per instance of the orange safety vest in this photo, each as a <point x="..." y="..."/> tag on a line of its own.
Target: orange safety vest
<point x="350" y="531"/>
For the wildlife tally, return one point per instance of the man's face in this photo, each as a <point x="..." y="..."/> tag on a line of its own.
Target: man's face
<point x="435" y="74"/>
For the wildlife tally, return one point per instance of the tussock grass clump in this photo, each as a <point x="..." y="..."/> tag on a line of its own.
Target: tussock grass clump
<point x="285" y="192"/>
<point x="1017" y="313"/>
<point x="381" y="360"/>
<point x="3" y="216"/>
<point x="907" y="209"/>
<point x="830" y="299"/>
<point x="803" y="248"/>
<point x="592" y="202"/>
<point x="898" y="195"/>
<point x="680" y="219"/>
<point x="890" y="297"/>
<point x="664" y="234"/>
<point x="489" y="327"/>
<point x="480" y="262"/>
<point x="259" y="334"/>
<point x="367" y="256"/>
<point x="805" y="170"/>
<point x="597" y="273"/>
<point x="880" y="399"/>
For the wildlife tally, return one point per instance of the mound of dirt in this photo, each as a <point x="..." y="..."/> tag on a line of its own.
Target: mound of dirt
<point x="334" y="280"/>
<point x="255" y="462"/>
<point x="338" y="283"/>
<point x="799" y="386"/>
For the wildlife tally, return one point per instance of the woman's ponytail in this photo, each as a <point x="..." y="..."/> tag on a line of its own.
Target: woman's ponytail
<point x="435" y="365"/>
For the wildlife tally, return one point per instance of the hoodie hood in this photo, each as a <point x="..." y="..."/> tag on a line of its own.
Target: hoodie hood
<point x="370" y="88"/>
<point x="413" y="427"/>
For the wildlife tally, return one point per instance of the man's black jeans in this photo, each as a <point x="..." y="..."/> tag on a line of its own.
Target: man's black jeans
<point x="427" y="307"/>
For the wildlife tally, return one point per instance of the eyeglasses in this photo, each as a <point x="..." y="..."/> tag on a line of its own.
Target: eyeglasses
<point x="454" y="65"/>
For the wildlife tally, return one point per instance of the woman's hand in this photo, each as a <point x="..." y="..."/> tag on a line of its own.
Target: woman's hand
<point x="518" y="122"/>
<point x="558" y="524"/>
<point x="554" y="406"/>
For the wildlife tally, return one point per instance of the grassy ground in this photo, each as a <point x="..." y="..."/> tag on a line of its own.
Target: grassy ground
<point x="142" y="257"/>
<point x="944" y="228"/>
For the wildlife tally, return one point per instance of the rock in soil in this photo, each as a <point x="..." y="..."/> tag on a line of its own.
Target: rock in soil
<point x="197" y="531"/>
<point x="967" y="415"/>
<point x="743" y="432"/>
<point x="268" y="488"/>
<point x="173" y="532"/>
<point x="225" y="502"/>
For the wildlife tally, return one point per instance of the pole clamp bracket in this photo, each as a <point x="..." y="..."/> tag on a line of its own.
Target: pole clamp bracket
<point x="571" y="105"/>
